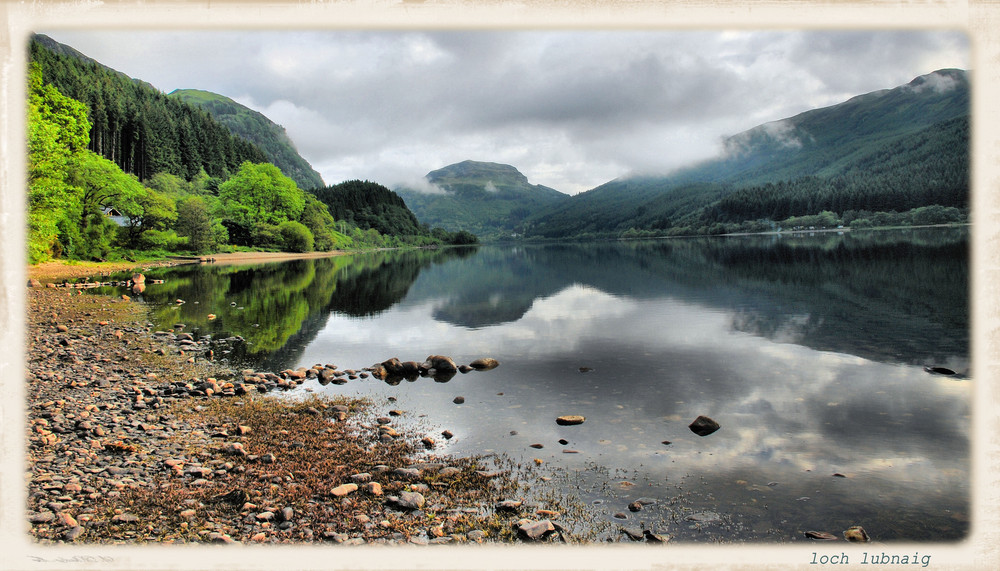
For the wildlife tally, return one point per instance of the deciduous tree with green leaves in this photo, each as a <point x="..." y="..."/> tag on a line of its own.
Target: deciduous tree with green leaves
<point x="57" y="132"/>
<point x="260" y="194"/>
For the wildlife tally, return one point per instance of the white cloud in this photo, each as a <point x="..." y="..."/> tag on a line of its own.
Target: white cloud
<point x="570" y="109"/>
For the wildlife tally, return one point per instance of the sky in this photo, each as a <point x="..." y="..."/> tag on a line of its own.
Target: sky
<point x="570" y="109"/>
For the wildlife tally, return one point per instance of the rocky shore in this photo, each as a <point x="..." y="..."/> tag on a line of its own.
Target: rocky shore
<point x="136" y="435"/>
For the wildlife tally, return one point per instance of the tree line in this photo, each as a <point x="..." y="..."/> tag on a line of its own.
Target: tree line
<point x="138" y="128"/>
<point x="83" y="205"/>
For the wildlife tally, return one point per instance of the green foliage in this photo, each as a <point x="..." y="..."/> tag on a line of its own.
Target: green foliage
<point x="369" y="205"/>
<point x="316" y="217"/>
<point x="146" y="210"/>
<point x="137" y="127"/>
<point x="251" y="126"/>
<point x="295" y="237"/>
<point x="195" y="223"/>
<point x="168" y="184"/>
<point x="260" y="194"/>
<point x="57" y="134"/>
<point x="167" y="240"/>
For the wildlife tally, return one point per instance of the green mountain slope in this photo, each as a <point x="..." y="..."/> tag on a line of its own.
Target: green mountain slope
<point x="487" y="199"/>
<point x="135" y="125"/>
<point x="252" y="126"/>
<point x="889" y="150"/>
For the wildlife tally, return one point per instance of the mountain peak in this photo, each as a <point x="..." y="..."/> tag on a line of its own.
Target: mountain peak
<point x="465" y="170"/>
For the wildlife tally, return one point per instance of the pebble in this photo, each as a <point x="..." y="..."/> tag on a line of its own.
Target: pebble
<point x="102" y="424"/>
<point x="343" y="490"/>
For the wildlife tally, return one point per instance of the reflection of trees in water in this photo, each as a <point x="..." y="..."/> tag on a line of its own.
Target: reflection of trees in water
<point x="874" y="299"/>
<point x="879" y="295"/>
<point x="279" y="308"/>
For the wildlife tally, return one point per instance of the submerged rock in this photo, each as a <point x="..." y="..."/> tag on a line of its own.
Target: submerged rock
<point x="703" y="426"/>
<point x="704" y="517"/>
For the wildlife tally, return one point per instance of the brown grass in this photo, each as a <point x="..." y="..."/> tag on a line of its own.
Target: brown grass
<point x="313" y="454"/>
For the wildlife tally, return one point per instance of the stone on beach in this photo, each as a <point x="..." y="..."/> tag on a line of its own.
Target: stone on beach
<point x="409" y="500"/>
<point x="343" y="490"/>
<point x="535" y="530"/>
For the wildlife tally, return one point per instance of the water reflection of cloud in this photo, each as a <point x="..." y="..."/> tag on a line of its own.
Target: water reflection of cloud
<point x="782" y="406"/>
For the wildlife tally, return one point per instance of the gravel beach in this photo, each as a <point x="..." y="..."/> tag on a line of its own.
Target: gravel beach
<point x="136" y="435"/>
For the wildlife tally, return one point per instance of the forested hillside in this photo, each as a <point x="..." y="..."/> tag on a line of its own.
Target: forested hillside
<point x="369" y="205"/>
<point x="254" y="127"/>
<point x="898" y="156"/>
<point x="137" y="127"/>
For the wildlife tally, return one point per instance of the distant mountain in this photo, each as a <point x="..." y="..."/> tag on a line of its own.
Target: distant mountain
<point x="889" y="150"/>
<point x="487" y="199"/>
<point x="257" y="129"/>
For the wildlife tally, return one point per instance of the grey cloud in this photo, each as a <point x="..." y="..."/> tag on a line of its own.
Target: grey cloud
<point x="576" y="107"/>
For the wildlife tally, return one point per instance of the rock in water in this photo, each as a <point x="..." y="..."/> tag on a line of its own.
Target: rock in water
<point x="939" y="371"/>
<point x="821" y="535"/>
<point x="485" y="364"/>
<point x="856" y="534"/>
<point x="703" y="426"/>
<point x="440" y="363"/>
<point x="570" y="420"/>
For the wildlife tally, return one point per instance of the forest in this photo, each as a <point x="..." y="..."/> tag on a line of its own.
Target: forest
<point x="895" y="157"/>
<point x="125" y="172"/>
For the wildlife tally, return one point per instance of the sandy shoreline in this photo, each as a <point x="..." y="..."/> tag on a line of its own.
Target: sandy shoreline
<point x="58" y="270"/>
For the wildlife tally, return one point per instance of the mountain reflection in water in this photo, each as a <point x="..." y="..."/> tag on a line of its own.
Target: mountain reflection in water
<point x="809" y="351"/>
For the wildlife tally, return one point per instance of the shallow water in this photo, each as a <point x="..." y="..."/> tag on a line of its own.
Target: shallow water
<point x="807" y="350"/>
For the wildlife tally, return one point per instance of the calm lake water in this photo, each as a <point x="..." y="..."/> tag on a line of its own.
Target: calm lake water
<point x="808" y="350"/>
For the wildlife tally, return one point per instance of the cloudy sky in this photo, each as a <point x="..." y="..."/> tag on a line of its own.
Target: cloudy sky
<point x="570" y="109"/>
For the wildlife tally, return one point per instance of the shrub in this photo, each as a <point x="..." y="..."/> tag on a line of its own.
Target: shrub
<point x="295" y="237"/>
